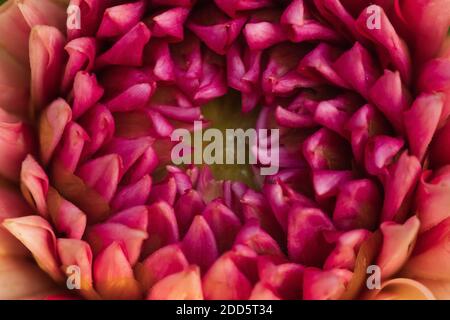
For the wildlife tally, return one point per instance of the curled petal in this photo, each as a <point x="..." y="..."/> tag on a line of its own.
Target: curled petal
<point x="15" y="143"/>
<point x="398" y="241"/>
<point x="46" y="61"/>
<point x="402" y="289"/>
<point x="34" y="185"/>
<point x="82" y="52"/>
<point x="67" y="218"/>
<point x="36" y="234"/>
<point x="430" y="258"/>
<point x="52" y="124"/>
<point x="432" y="200"/>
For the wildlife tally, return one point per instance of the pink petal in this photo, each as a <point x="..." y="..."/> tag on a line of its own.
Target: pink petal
<point x="184" y="285"/>
<point x="37" y="235"/>
<point x="46" y="61"/>
<point x="113" y="275"/>
<point x="34" y="185"/>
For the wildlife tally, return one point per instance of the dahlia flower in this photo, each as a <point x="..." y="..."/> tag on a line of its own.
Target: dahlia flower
<point x="92" y="90"/>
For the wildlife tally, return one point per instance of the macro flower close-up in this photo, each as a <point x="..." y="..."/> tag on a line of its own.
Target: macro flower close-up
<point x="225" y="149"/>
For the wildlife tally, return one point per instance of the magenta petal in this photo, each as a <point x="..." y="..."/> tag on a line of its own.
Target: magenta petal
<point x="134" y="218"/>
<point x="129" y="150"/>
<point x="102" y="174"/>
<point x="223" y="222"/>
<point x="358" y="205"/>
<point x="326" y="150"/>
<point x="380" y="152"/>
<point x="118" y="20"/>
<point x="146" y="164"/>
<point x="421" y="122"/>
<point x="363" y="124"/>
<point x="306" y="243"/>
<point x="262" y="35"/>
<point x="321" y="61"/>
<point x="358" y="68"/>
<point x="187" y="207"/>
<point x="119" y="54"/>
<point x="87" y="93"/>
<point x="391" y="97"/>
<point x="232" y="7"/>
<point x="327" y="183"/>
<point x="252" y="236"/>
<point x="399" y="183"/>
<point x="71" y="146"/>
<point x="285" y="279"/>
<point x="132" y="195"/>
<point x="170" y="23"/>
<point x="165" y="191"/>
<point x="99" y="125"/>
<point x="218" y="37"/>
<point x="162" y="228"/>
<point x="82" y="52"/>
<point x="387" y="39"/>
<point x="346" y="251"/>
<point x="199" y="244"/>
